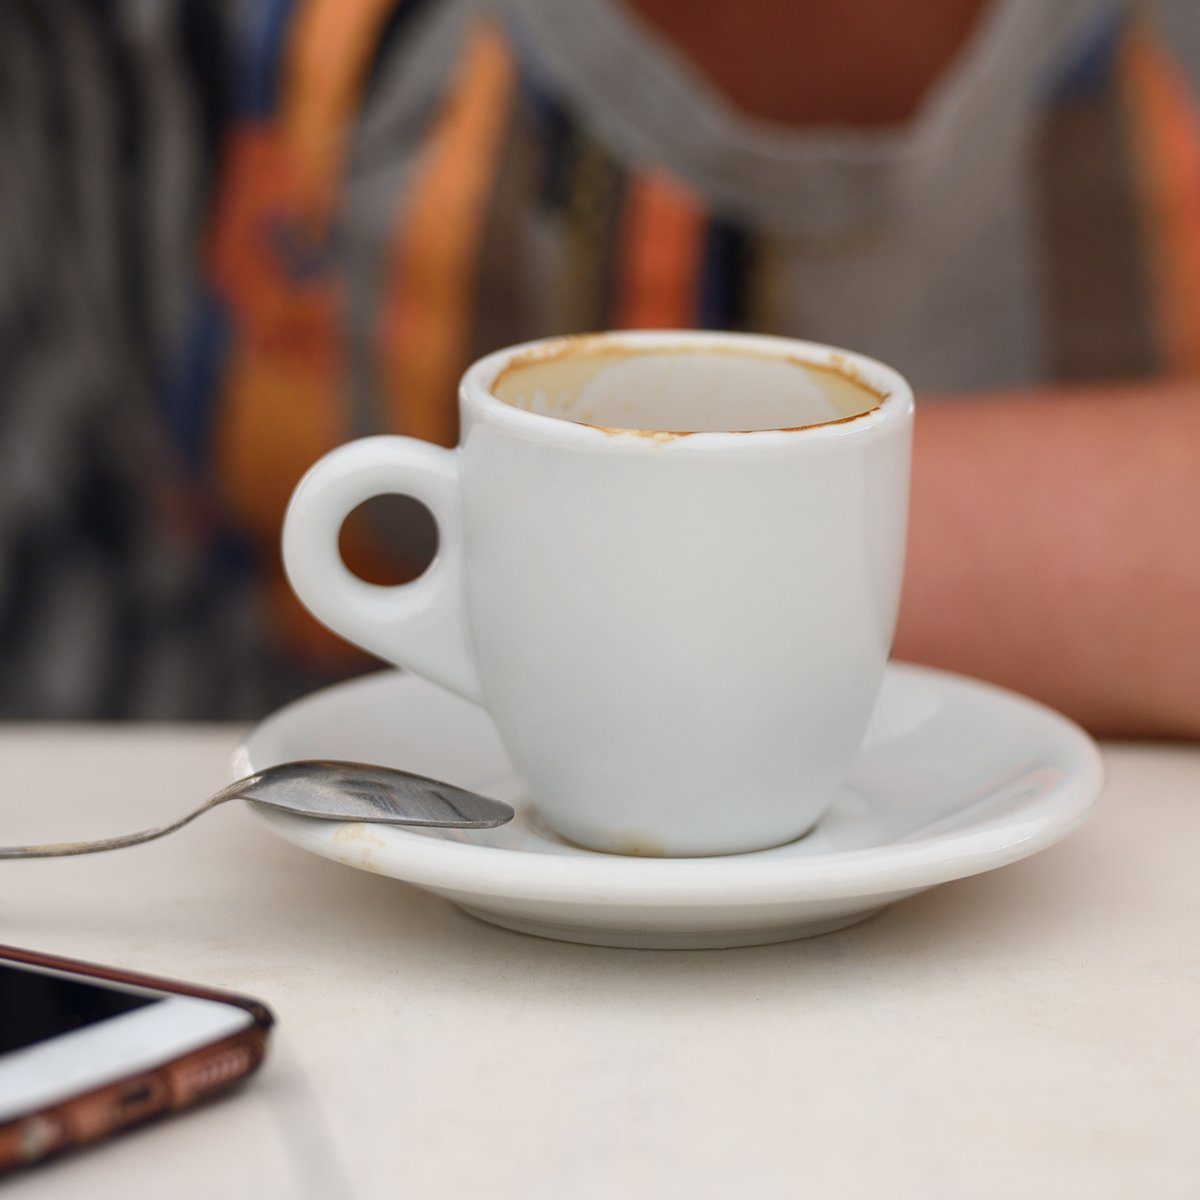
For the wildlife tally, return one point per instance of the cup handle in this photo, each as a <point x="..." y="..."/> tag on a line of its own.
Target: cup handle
<point x="420" y="625"/>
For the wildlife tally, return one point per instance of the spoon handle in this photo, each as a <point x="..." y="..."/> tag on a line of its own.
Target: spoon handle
<point x="62" y="849"/>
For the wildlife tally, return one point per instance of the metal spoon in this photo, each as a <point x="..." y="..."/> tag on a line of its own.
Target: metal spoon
<point x="330" y="791"/>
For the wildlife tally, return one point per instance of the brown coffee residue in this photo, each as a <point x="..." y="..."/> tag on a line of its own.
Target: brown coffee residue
<point x="606" y="345"/>
<point x="841" y="366"/>
<point x="583" y="345"/>
<point x="661" y="436"/>
<point x="638" y="847"/>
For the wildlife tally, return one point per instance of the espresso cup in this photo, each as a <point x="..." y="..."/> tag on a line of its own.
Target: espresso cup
<point x="668" y="565"/>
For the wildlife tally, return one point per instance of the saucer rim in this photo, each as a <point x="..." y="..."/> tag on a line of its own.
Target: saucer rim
<point x="474" y="870"/>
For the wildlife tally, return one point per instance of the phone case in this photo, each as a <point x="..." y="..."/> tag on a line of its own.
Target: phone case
<point x="139" y="1097"/>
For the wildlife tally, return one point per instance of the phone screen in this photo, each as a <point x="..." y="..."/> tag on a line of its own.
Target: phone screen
<point x="36" y="1007"/>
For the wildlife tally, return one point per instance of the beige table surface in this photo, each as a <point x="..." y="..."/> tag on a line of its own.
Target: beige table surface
<point x="1028" y="1033"/>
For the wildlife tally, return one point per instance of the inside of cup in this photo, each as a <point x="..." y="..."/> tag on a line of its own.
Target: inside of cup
<point x="682" y="389"/>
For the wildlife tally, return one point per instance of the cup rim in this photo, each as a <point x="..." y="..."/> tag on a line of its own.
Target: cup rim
<point x="479" y="404"/>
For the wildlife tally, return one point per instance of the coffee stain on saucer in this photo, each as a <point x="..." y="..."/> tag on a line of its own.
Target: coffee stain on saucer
<point x="357" y="844"/>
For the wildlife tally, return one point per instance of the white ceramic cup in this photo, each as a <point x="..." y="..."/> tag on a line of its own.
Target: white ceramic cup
<point x="680" y="636"/>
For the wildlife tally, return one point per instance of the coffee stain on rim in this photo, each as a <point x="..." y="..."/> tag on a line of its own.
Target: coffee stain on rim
<point x="605" y="345"/>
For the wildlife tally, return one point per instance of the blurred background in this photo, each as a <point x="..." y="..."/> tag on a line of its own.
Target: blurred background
<point x="235" y="233"/>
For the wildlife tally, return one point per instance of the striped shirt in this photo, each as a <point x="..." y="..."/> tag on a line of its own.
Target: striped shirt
<point x="234" y="234"/>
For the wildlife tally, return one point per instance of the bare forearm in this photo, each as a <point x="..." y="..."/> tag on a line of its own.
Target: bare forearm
<point x="1055" y="548"/>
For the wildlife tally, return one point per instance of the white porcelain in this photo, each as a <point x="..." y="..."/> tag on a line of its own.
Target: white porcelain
<point x="954" y="778"/>
<point x="680" y="637"/>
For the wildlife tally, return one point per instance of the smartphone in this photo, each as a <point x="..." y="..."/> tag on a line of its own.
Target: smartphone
<point x="87" y="1051"/>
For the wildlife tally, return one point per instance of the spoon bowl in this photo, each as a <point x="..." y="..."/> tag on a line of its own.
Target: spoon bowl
<point x="344" y="791"/>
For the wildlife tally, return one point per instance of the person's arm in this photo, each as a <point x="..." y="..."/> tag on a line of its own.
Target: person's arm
<point x="1055" y="549"/>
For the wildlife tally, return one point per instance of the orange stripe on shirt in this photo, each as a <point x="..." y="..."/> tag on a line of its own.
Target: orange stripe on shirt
<point x="328" y="52"/>
<point x="427" y="310"/>
<point x="282" y="402"/>
<point x="658" y="268"/>
<point x="1166" y="149"/>
<point x="282" y="399"/>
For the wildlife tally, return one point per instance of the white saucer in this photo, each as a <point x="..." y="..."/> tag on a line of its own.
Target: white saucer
<point x="954" y="778"/>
